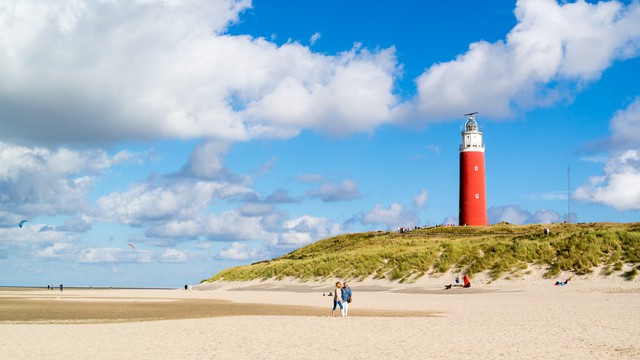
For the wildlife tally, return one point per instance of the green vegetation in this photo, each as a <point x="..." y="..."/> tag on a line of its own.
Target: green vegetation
<point x="501" y="249"/>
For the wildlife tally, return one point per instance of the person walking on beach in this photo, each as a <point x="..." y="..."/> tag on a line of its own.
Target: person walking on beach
<point x="337" y="300"/>
<point x="346" y="298"/>
<point x="60" y="287"/>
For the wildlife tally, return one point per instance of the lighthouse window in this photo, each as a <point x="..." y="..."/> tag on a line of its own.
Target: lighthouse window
<point x="477" y="196"/>
<point x="476" y="168"/>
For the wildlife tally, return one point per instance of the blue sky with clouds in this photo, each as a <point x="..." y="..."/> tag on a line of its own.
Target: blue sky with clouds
<point x="217" y="133"/>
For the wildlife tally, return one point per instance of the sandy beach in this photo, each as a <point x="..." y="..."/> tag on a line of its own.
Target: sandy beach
<point x="526" y="318"/>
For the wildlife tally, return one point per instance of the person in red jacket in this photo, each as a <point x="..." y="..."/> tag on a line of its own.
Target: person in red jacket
<point x="465" y="280"/>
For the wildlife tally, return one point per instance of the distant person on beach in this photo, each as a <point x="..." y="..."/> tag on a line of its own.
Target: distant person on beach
<point x="561" y="283"/>
<point x="457" y="280"/>
<point x="465" y="280"/>
<point x="60" y="287"/>
<point x="337" y="301"/>
<point x="346" y="297"/>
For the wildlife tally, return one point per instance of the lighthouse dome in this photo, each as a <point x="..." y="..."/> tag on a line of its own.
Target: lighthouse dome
<point x="471" y="124"/>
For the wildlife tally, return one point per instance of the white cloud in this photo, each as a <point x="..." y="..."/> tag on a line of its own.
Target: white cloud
<point x="304" y="230"/>
<point x="624" y="126"/>
<point x="68" y="62"/>
<point x="315" y="37"/>
<point x="421" y="199"/>
<point x="394" y="216"/>
<point x="173" y="256"/>
<point x="566" y="42"/>
<point x="551" y="195"/>
<point x="40" y="181"/>
<point x="513" y="214"/>
<point x="56" y="250"/>
<point x="450" y="220"/>
<point x="347" y="190"/>
<point x="181" y="200"/>
<point x="207" y="160"/>
<point x="545" y="217"/>
<point x="231" y="225"/>
<point x="599" y="159"/>
<point x="238" y="251"/>
<point x="113" y="255"/>
<point x="618" y="185"/>
<point x="253" y="209"/>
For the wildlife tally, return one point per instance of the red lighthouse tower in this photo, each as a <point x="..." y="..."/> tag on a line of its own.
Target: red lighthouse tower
<point x="473" y="202"/>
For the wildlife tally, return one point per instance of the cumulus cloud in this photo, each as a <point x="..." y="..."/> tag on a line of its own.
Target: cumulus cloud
<point x="113" y="255"/>
<point x="173" y="256"/>
<point x="253" y="209"/>
<point x="68" y="62"/>
<point x="420" y="201"/>
<point x="394" y="216"/>
<point x="177" y="207"/>
<point x="617" y="185"/>
<point x="450" y="220"/>
<point x="563" y="43"/>
<point x="282" y="196"/>
<point x="347" y="190"/>
<point x="239" y="251"/>
<point x="41" y="181"/>
<point x="182" y="199"/>
<point x="624" y="126"/>
<point x="207" y="161"/>
<point x="56" y="250"/>
<point x="513" y="214"/>
<point x="303" y="230"/>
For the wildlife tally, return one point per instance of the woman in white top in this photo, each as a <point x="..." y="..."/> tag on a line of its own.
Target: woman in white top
<point x="337" y="300"/>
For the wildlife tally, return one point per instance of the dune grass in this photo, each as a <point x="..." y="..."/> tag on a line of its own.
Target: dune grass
<point x="501" y="249"/>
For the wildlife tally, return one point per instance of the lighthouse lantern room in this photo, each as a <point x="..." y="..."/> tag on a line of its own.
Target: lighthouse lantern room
<point x="473" y="203"/>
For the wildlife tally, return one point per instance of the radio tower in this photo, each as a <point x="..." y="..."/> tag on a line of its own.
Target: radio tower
<point x="473" y="202"/>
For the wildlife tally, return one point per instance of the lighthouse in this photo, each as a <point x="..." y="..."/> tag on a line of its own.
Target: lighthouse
<point x="473" y="202"/>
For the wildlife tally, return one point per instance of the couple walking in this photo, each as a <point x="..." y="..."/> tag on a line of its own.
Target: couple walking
<point x="342" y="298"/>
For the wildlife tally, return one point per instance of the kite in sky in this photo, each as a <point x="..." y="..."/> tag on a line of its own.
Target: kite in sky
<point x="132" y="247"/>
<point x="22" y="222"/>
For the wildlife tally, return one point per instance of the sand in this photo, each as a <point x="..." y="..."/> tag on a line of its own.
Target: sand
<point x="528" y="318"/>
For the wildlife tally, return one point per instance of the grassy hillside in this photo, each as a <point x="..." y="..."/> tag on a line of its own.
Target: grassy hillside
<point x="502" y="249"/>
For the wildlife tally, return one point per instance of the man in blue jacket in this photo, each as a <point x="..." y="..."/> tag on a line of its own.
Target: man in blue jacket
<point x="346" y="297"/>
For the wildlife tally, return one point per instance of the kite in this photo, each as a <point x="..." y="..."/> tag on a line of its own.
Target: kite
<point x="132" y="247"/>
<point x="22" y="222"/>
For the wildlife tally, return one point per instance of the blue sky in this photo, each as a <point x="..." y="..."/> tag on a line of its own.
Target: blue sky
<point x="217" y="133"/>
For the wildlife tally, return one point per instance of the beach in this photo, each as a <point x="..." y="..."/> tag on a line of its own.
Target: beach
<point x="529" y="317"/>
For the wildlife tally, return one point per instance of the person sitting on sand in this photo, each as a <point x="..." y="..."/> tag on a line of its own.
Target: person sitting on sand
<point x="337" y="301"/>
<point x="465" y="280"/>
<point x="561" y="283"/>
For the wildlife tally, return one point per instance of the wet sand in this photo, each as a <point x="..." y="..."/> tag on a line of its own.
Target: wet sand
<point x="100" y="306"/>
